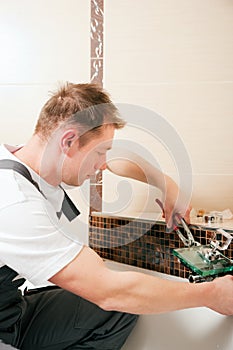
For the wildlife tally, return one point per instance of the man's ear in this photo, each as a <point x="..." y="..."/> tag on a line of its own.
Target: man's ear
<point x="67" y="140"/>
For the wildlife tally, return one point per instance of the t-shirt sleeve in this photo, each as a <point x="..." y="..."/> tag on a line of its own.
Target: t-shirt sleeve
<point x="33" y="241"/>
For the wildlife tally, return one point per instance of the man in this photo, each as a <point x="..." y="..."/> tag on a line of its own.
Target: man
<point x="94" y="307"/>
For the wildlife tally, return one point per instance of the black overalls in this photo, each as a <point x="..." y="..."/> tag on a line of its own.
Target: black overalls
<point x="51" y="318"/>
<point x="11" y="304"/>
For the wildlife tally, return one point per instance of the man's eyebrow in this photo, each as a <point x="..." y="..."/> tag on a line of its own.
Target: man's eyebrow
<point x="106" y="149"/>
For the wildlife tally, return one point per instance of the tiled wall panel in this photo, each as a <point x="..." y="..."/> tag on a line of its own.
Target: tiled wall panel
<point x="142" y="243"/>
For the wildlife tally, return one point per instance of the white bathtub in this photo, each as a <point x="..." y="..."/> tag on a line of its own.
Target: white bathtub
<point x="191" y="329"/>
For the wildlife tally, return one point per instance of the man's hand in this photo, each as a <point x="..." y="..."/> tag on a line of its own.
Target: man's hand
<point x="175" y="203"/>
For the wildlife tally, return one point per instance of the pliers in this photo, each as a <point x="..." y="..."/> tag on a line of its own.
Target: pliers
<point x="188" y="241"/>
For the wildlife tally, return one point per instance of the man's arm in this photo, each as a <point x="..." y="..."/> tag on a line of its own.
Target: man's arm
<point x="133" y="292"/>
<point x="137" y="168"/>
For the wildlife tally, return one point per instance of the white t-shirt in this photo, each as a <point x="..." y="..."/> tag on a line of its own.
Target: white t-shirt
<point x="33" y="241"/>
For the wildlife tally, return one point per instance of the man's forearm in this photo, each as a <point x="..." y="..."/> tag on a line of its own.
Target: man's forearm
<point x="139" y="293"/>
<point x="173" y="199"/>
<point x="141" y="170"/>
<point x="143" y="294"/>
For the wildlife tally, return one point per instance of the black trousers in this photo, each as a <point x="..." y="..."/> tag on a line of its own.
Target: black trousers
<point x="56" y="320"/>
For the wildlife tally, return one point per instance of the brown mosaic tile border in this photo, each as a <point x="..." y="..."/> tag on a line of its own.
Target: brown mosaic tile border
<point x="97" y="41"/>
<point x="142" y="243"/>
<point x="96" y="71"/>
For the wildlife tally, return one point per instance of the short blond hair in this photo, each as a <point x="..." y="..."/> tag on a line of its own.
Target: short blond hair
<point x="86" y="105"/>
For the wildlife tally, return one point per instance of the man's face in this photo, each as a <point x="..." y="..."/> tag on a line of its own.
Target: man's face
<point x="82" y="163"/>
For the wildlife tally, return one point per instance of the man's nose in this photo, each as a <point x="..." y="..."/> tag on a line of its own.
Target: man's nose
<point x="100" y="165"/>
<point x="103" y="166"/>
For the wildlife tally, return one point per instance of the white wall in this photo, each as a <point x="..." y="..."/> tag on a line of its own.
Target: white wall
<point x="43" y="43"/>
<point x="176" y="58"/>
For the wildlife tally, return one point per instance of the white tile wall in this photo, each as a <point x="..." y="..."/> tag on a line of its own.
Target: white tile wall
<point x="172" y="57"/>
<point x="168" y="41"/>
<point x="176" y="58"/>
<point x="42" y="44"/>
<point x="44" y="41"/>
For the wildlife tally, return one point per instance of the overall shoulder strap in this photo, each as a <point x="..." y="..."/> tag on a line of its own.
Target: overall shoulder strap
<point x="68" y="207"/>
<point x="19" y="168"/>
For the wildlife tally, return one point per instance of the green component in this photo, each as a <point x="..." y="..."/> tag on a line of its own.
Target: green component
<point x="193" y="259"/>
